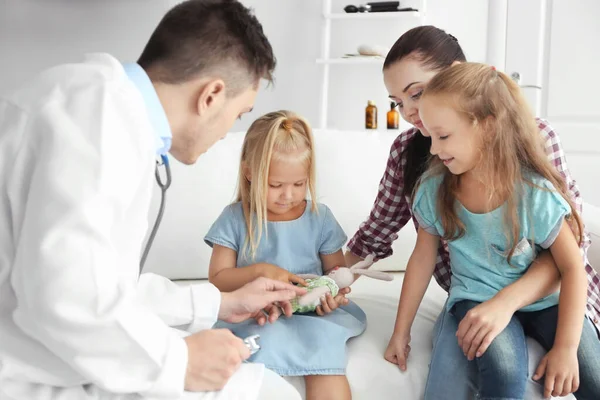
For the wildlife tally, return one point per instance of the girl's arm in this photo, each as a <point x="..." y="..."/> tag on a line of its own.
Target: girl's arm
<point x="573" y="293"/>
<point x="560" y="365"/>
<point x="330" y="303"/>
<point x="416" y="279"/>
<point x="226" y="277"/>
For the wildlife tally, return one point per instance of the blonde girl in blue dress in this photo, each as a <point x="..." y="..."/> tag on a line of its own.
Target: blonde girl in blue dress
<point x="274" y="230"/>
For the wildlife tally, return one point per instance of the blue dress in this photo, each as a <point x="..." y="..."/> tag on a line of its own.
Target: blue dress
<point x="305" y="344"/>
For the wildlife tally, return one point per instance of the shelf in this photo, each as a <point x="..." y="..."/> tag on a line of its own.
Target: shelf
<point x="353" y="60"/>
<point x="337" y="59"/>
<point x="376" y="15"/>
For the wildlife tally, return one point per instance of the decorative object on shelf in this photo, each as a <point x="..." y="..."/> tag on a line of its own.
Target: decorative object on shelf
<point x="371" y="115"/>
<point x="372" y="50"/>
<point x="350" y="9"/>
<point x="361" y="56"/>
<point x="378" y="6"/>
<point x="367" y="51"/>
<point x="393" y="117"/>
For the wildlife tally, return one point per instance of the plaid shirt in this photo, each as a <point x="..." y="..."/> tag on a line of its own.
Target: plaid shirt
<point x="391" y="211"/>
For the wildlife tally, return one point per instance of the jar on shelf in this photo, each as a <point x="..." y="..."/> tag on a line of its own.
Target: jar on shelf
<point x="371" y="115"/>
<point x="393" y="117"/>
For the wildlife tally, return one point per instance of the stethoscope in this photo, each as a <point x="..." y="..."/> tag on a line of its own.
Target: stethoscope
<point x="251" y="341"/>
<point x="164" y="160"/>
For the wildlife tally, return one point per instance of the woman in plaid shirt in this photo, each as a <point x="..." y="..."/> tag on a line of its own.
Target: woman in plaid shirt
<point x="414" y="59"/>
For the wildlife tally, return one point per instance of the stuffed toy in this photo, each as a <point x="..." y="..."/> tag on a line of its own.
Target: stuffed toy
<point x="338" y="278"/>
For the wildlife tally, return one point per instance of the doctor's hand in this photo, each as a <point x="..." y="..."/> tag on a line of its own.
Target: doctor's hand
<point x="253" y="297"/>
<point x="481" y="325"/>
<point x="225" y="351"/>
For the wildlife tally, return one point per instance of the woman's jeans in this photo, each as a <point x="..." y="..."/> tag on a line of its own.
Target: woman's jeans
<point x="502" y="373"/>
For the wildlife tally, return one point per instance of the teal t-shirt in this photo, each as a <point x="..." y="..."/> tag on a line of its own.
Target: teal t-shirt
<point x="479" y="260"/>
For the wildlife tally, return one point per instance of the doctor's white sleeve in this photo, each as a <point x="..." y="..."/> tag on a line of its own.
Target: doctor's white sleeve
<point x="191" y="308"/>
<point x="76" y="285"/>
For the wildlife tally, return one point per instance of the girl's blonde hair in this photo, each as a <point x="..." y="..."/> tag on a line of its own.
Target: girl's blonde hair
<point x="279" y="135"/>
<point x="511" y="145"/>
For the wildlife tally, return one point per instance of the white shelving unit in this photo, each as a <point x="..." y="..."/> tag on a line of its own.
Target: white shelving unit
<point x="372" y="16"/>
<point x="355" y="60"/>
<point x="326" y="61"/>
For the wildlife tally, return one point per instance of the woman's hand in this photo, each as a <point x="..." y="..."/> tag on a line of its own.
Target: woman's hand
<point x="398" y="349"/>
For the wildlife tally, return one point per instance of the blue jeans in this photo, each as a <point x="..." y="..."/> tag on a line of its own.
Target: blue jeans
<point x="498" y="376"/>
<point x="449" y="364"/>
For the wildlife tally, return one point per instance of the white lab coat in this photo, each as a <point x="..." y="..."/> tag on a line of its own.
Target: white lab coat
<point x="76" y="173"/>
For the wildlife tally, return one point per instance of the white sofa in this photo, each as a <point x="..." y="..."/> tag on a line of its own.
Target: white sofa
<point x="349" y="167"/>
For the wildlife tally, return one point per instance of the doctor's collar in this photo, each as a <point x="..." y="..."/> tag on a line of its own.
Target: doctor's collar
<point x="156" y="112"/>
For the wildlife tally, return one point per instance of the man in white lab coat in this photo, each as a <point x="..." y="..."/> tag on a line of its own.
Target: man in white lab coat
<point x="77" y="153"/>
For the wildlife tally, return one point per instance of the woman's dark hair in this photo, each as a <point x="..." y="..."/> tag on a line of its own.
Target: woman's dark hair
<point x="436" y="50"/>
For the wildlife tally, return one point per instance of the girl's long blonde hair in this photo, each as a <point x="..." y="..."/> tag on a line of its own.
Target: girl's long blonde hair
<point x="511" y="145"/>
<point x="277" y="135"/>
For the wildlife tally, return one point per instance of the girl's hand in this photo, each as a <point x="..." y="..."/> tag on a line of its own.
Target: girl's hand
<point x="273" y="312"/>
<point x="481" y="325"/>
<point x="330" y="303"/>
<point x="398" y="349"/>
<point x="561" y="368"/>
<point x="279" y="274"/>
<point x="270" y="314"/>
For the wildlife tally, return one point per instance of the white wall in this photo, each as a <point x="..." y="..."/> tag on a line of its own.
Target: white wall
<point x="572" y="87"/>
<point x="352" y="85"/>
<point x="35" y="34"/>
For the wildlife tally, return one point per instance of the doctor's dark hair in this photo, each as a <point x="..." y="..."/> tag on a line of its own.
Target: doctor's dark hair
<point x="436" y="50"/>
<point x="278" y="135"/>
<point x="217" y="38"/>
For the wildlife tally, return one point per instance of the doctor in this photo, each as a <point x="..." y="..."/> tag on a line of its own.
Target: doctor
<point x="77" y="155"/>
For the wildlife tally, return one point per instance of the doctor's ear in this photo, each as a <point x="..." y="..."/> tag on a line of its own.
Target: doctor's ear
<point x="210" y="96"/>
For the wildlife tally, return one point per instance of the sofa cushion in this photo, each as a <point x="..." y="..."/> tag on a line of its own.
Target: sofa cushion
<point x="370" y="375"/>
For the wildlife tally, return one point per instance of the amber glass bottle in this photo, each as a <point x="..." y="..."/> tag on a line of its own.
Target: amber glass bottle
<point x="393" y="117"/>
<point x="371" y="116"/>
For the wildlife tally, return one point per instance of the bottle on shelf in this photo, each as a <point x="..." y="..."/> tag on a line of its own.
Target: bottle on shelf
<point x="393" y="117"/>
<point x="371" y="115"/>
